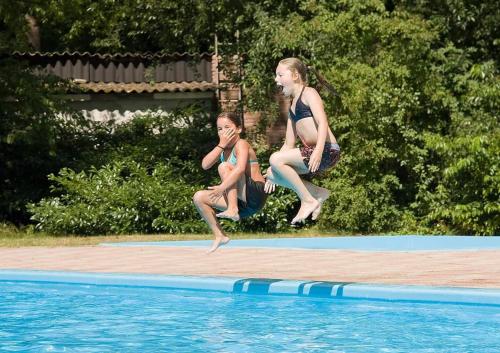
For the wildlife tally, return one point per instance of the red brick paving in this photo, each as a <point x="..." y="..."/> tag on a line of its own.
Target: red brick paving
<point x="480" y="269"/>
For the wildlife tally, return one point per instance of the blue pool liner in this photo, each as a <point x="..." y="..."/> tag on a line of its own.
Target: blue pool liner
<point x="363" y="243"/>
<point x="318" y="289"/>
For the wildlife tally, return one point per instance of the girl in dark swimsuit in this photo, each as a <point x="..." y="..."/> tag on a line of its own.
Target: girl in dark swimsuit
<point x="319" y="151"/>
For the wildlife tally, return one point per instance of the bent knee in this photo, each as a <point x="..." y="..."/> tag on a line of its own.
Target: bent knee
<point x="276" y="159"/>
<point x="199" y="197"/>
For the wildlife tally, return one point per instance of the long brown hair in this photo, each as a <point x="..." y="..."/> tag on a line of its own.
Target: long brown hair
<point x="231" y="116"/>
<point x="297" y="65"/>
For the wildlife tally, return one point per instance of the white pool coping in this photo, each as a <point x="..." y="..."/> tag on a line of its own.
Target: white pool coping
<point x="259" y="286"/>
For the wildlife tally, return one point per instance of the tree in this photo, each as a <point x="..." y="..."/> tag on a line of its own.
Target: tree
<point x="34" y="138"/>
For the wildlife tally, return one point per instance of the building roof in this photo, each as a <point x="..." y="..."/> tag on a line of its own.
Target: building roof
<point x="113" y="87"/>
<point x="115" y="56"/>
<point x="127" y="72"/>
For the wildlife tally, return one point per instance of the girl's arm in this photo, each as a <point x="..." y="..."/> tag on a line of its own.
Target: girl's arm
<point x="212" y="157"/>
<point x="241" y="151"/>
<point x="290" y="136"/>
<point x="314" y="101"/>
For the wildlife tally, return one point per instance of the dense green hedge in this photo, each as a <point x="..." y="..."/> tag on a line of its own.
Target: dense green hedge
<point x="150" y="170"/>
<point x="417" y="119"/>
<point x="125" y="197"/>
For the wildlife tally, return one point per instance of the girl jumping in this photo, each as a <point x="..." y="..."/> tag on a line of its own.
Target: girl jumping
<point x="319" y="151"/>
<point x="241" y="192"/>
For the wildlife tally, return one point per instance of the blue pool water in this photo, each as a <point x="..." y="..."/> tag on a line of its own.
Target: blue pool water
<point x="58" y="317"/>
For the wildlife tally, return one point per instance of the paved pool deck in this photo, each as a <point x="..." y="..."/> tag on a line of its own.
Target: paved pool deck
<point x="457" y="261"/>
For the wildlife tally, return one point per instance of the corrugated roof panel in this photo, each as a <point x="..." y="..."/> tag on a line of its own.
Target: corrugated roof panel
<point x="94" y="72"/>
<point x="67" y="70"/>
<point x="159" y="75"/>
<point x="129" y="73"/>
<point x="80" y="70"/>
<point x="170" y="72"/>
<point x="120" y="73"/>
<point x="179" y="72"/>
<point x="111" y="87"/>
<point x="126" y="67"/>
<point x="56" y="68"/>
<point x="202" y="73"/>
<point x="190" y="71"/>
<point x="110" y="73"/>
<point x="116" y="56"/>
<point x="139" y="73"/>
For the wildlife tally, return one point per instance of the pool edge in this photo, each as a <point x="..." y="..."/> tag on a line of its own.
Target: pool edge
<point x="262" y="286"/>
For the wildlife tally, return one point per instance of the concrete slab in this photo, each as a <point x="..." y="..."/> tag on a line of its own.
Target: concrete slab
<point x="450" y="268"/>
<point x="365" y="243"/>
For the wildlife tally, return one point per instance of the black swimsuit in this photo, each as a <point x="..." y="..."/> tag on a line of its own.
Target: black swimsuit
<point x="331" y="151"/>
<point x="301" y="109"/>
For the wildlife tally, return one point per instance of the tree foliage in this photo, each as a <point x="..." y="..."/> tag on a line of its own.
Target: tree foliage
<point x="417" y="116"/>
<point x="35" y="139"/>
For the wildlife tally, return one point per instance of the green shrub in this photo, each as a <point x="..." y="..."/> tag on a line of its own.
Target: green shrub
<point x="123" y="197"/>
<point x="417" y="119"/>
<point x="364" y="208"/>
<point x="180" y="137"/>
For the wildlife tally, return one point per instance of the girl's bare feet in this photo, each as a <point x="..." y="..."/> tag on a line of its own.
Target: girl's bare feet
<point x="322" y="196"/>
<point x="230" y="214"/>
<point x="218" y="242"/>
<point x="306" y="208"/>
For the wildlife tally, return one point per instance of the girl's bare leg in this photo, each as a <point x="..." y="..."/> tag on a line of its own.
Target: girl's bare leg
<point x="232" y="211"/>
<point x="206" y="209"/>
<point x="319" y="193"/>
<point x="287" y="165"/>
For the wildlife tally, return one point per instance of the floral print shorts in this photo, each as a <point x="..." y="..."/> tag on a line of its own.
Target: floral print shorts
<point x="330" y="157"/>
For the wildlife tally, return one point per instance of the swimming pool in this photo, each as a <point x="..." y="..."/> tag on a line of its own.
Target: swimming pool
<point x="68" y="312"/>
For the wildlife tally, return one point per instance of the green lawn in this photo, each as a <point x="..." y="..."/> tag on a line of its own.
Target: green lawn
<point x="13" y="237"/>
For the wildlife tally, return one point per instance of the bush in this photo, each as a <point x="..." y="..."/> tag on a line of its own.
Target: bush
<point x="417" y="119"/>
<point x="362" y="208"/>
<point x="126" y="197"/>
<point x="180" y="138"/>
<point x="123" y="197"/>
